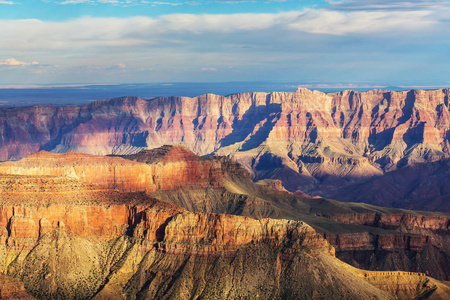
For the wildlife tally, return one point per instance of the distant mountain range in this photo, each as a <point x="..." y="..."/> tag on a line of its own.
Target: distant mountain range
<point x="337" y="145"/>
<point x="80" y="94"/>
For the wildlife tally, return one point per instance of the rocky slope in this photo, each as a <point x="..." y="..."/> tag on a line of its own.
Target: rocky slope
<point x="152" y="250"/>
<point x="423" y="186"/>
<point x="366" y="236"/>
<point x="11" y="288"/>
<point x="117" y="245"/>
<point x="170" y="167"/>
<point x="307" y="139"/>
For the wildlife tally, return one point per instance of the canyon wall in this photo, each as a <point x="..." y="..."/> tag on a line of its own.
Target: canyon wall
<point x="307" y="139"/>
<point x="117" y="245"/>
<point x="78" y="225"/>
<point x="363" y="235"/>
<point x="170" y="167"/>
<point x="114" y="244"/>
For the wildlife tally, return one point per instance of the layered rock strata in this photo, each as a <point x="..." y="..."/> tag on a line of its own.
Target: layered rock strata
<point x="11" y="289"/>
<point x="421" y="186"/>
<point x="172" y="167"/>
<point x="141" y="248"/>
<point x="304" y="138"/>
<point x="369" y="237"/>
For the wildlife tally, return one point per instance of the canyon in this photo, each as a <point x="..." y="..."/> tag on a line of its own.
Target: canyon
<point x="313" y="142"/>
<point x="128" y="198"/>
<point x="167" y="223"/>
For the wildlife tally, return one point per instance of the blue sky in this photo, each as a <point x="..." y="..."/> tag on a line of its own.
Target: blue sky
<point x="377" y="42"/>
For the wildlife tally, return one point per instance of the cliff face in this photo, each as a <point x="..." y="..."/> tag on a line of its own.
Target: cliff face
<point x="172" y="168"/>
<point x="70" y="262"/>
<point x="399" y="220"/>
<point x="142" y="248"/>
<point x="63" y="186"/>
<point x="70" y="228"/>
<point x="422" y="186"/>
<point x="421" y="243"/>
<point x="127" y="246"/>
<point x="377" y="252"/>
<point x="304" y="138"/>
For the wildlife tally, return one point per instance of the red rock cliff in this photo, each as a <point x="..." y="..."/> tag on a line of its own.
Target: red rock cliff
<point x="349" y="134"/>
<point x="174" y="167"/>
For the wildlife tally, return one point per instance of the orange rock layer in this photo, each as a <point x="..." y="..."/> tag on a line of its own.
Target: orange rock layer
<point x="394" y="221"/>
<point x="178" y="167"/>
<point x="366" y="241"/>
<point x="11" y="288"/>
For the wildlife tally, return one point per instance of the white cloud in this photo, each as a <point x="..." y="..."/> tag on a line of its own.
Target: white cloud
<point x="12" y="62"/>
<point x="363" y="22"/>
<point x="170" y="35"/>
<point x="209" y="69"/>
<point x="284" y="42"/>
<point x="224" y="23"/>
<point x="75" y="1"/>
<point x="95" y="33"/>
<point x="389" y="5"/>
<point x="6" y="2"/>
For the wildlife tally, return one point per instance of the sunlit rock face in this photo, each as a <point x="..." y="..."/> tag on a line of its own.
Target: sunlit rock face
<point x="168" y="167"/>
<point x="313" y="134"/>
<point x="67" y="239"/>
<point x="109" y="196"/>
<point x="116" y="245"/>
<point x="77" y="225"/>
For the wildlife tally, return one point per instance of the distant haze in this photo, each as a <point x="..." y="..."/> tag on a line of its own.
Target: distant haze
<point x="14" y="96"/>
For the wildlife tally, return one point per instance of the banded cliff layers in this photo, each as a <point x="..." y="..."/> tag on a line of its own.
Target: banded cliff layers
<point x="311" y="141"/>
<point x="80" y="226"/>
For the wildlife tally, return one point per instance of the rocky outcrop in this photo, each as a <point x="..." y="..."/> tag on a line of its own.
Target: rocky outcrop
<point x="421" y="186"/>
<point x="173" y="167"/>
<point x="420" y="243"/>
<point x="275" y="184"/>
<point x="275" y="259"/>
<point x="367" y="241"/>
<point x="74" y="251"/>
<point x="372" y="251"/>
<point x="70" y="228"/>
<point x="225" y="232"/>
<point x="74" y="261"/>
<point x="405" y="284"/>
<point x="57" y="183"/>
<point x="404" y="221"/>
<point x="11" y="288"/>
<point x="304" y="138"/>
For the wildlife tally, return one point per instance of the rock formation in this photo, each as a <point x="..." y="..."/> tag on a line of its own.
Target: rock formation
<point x="69" y="239"/>
<point x="369" y="237"/>
<point x="12" y="288"/>
<point x="306" y="139"/>
<point x="170" y="167"/>
<point x="421" y="186"/>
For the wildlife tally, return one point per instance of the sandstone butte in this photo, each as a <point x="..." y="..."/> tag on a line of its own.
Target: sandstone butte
<point x="77" y="225"/>
<point x="307" y="139"/>
<point x="179" y="168"/>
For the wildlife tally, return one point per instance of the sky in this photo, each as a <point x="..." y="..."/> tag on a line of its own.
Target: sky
<point x="360" y="42"/>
